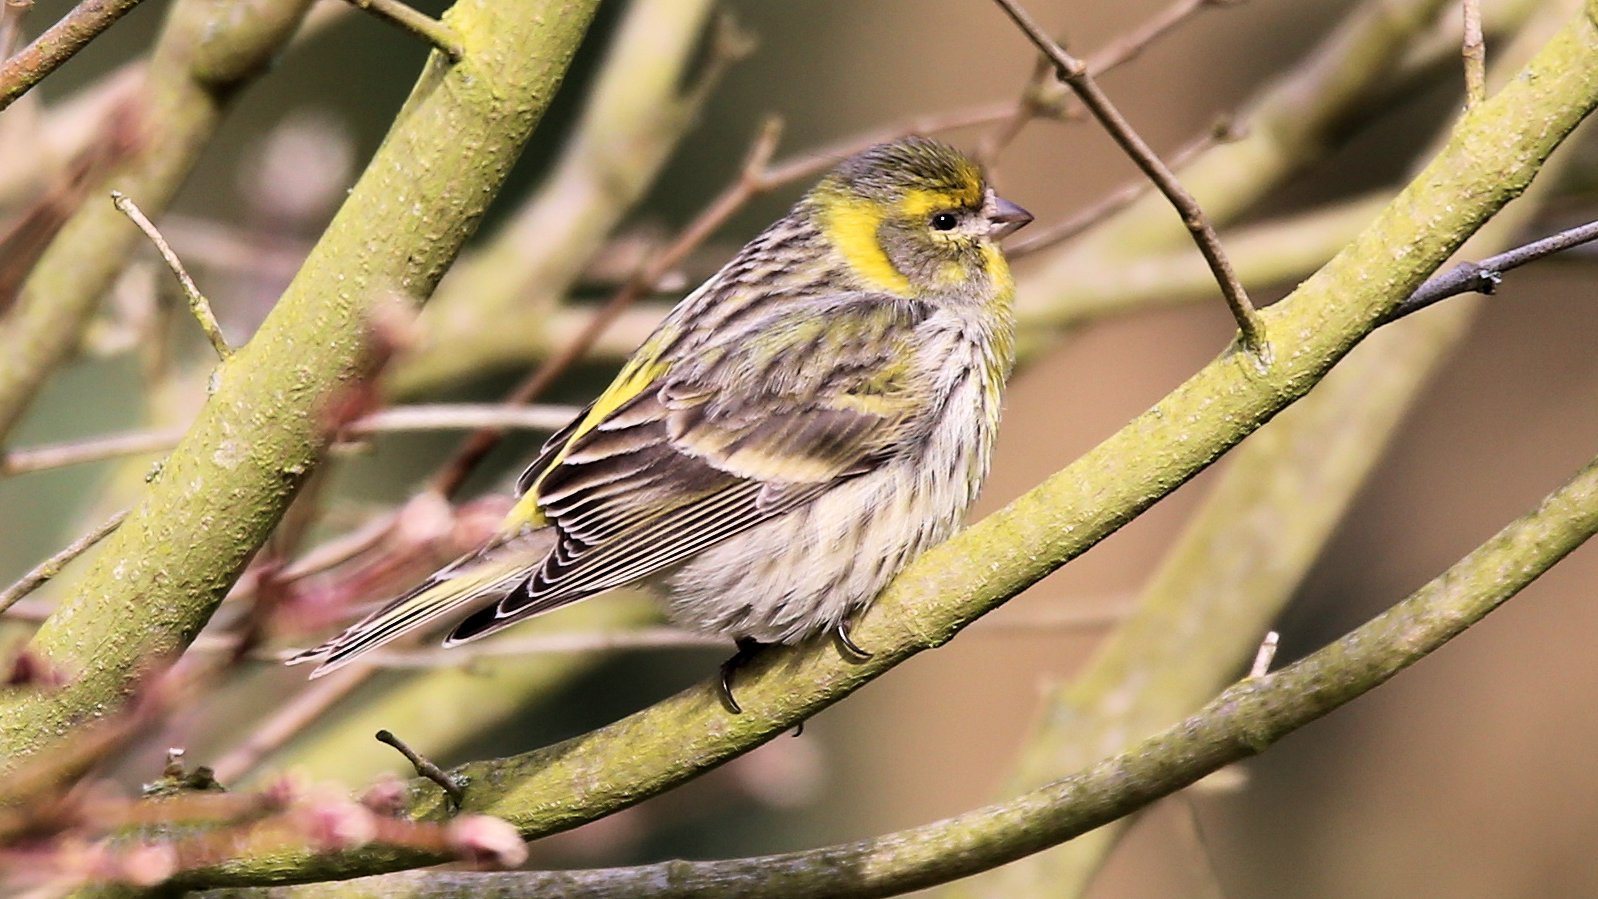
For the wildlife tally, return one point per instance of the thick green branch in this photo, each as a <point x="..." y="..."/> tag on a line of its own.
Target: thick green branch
<point x="1242" y="722"/>
<point x="208" y="51"/>
<point x="1492" y="155"/>
<point x="157" y="580"/>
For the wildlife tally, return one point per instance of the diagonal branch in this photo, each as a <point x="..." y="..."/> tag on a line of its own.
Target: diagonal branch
<point x="59" y="43"/>
<point x="1243" y="721"/>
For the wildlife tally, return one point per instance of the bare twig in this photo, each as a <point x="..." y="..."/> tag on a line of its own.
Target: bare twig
<point x="464" y="416"/>
<point x="52" y="566"/>
<point x="198" y="305"/>
<point x="1474" y="51"/>
<point x="431" y="30"/>
<point x="425" y="767"/>
<point x="1046" y="96"/>
<point x="419" y="417"/>
<point x="1484" y="276"/>
<point x="1208" y="874"/>
<point x="1127" y="47"/>
<point x="60" y="455"/>
<point x="1064" y="230"/>
<point x="56" y="45"/>
<point x="1075" y="73"/>
<point x="753" y="179"/>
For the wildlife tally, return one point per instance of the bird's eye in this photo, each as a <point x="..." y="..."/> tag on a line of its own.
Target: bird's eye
<point x="944" y="221"/>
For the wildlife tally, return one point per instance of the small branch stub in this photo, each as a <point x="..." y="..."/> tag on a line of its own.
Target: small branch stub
<point x="431" y="30"/>
<point x="198" y="305"/>
<point x="425" y="767"/>
<point x="1265" y="655"/>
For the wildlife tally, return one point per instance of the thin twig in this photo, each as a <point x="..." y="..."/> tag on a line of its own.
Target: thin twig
<point x="20" y="72"/>
<point x="419" y="417"/>
<point x="431" y="30"/>
<point x="1074" y="72"/>
<point x="1209" y="874"/>
<point x="26" y="460"/>
<point x="198" y="305"/>
<point x="1042" y="94"/>
<point x="1484" y="276"/>
<point x="1127" y="47"/>
<point x="753" y="179"/>
<point x="52" y="566"/>
<point x="1064" y="230"/>
<point x="425" y="767"/>
<point x="1474" y="50"/>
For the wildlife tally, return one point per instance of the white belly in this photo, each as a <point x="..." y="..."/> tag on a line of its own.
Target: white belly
<point x="809" y="569"/>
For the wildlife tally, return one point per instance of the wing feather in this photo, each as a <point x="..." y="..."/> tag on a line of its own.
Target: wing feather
<point x="739" y="429"/>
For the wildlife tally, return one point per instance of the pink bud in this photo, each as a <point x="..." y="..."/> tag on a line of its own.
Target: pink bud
<point x="487" y="841"/>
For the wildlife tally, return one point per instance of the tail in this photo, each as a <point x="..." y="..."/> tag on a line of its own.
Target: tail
<point x="477" y="580"/>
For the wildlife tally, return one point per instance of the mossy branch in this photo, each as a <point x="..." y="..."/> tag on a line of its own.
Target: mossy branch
<point x="1491" y="156"/>
<point x="1242" y="557"/>
<point x="158" y="579"/>
<point x="1243" y="721"/>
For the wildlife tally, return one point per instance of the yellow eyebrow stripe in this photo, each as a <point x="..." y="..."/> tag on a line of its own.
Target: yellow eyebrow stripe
<point x="920" y="202"/>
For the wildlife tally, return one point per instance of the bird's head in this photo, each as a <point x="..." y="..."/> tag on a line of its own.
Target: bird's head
<point x="916" y="217"/>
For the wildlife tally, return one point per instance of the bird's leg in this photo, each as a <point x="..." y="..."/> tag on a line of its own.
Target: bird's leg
<point x="849" y="646"/>
<point x="746" y="651"/>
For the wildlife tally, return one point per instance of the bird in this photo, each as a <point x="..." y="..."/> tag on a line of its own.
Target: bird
<point x="793" y="433"/>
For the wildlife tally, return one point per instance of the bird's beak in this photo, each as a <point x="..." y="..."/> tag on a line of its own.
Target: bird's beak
<point x="1007" y="218"/>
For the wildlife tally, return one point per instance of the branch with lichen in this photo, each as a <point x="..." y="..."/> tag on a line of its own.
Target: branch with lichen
<point x="1243" y="721"/>
<point x="1491" y="156"/>
<point x="221" y="492"/>
<point x="1243" y="555"/>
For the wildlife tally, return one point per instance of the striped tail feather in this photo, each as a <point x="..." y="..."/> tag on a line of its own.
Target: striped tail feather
<point x="479" y="579"/>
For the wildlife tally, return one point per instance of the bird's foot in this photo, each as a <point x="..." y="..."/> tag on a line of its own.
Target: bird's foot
<point x="746" y="651"/>
<point x="847" y="643"/>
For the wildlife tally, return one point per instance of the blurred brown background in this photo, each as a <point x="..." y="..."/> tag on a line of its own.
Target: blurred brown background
<point x="1467" y="776"/>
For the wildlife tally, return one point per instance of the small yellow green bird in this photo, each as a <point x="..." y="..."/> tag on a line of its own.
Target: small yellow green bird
<point x="795" y="432"/>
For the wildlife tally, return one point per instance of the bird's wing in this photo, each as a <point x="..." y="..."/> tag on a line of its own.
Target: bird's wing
<point x="746" y="426"/>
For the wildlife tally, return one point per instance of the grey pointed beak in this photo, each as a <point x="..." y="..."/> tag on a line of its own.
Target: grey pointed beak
<point x="1007" y="218"/>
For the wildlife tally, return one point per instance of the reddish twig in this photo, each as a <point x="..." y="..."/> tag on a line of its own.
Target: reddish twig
<point x="59" y="43"/>
<point x="1075" y="73"/>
